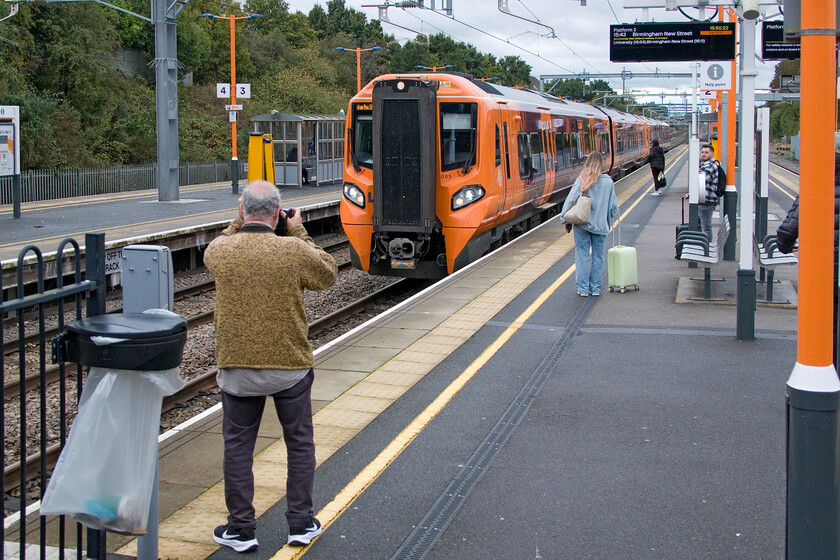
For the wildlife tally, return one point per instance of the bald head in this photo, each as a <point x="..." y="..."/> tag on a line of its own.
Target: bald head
<point x="260" y="201"/>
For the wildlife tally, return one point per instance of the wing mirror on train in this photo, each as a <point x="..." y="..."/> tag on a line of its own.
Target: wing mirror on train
<point x="354" y="194"/>
<point x="466" y="196"/>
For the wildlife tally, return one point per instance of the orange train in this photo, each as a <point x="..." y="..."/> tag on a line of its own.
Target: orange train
<point x="441" y="168"/>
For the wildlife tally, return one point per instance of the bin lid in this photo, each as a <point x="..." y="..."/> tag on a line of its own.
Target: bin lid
<point x="128" y="325"/>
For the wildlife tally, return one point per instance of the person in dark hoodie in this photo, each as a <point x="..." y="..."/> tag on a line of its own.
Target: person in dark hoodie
<point x="656" y="159"/>
<point x="788" y="232"/>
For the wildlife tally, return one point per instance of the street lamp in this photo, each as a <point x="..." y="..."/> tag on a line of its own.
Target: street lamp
<point x="234" y="161"/>
<point x="358" y="52"/>
<point x="434" y="68"/>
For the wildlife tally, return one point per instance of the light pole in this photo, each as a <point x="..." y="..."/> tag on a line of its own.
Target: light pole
<point x="434" y="68"/>
<point x="358" y="51"/>
<point x="234" y="161"/>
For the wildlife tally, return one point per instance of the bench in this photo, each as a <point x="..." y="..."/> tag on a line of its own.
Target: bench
<point x="769" y="257"/>
<point x="694" y="246"/>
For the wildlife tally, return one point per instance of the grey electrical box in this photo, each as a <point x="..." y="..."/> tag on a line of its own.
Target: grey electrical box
<point x="147" y="278"/>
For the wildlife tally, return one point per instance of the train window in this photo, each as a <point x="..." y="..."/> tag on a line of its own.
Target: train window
<point x="524" y="149"/>
<point x="458" y="138"/>
<point x="498" y="148"/>
<point x="605" y="143"/>
<point x="362" y="138"/>
<point x="562" y="151"/>
<point x="507" y="150"/>
<point x="536" y="154"/>
<point x="575" y="149"/>
<point x="587" y="148"/>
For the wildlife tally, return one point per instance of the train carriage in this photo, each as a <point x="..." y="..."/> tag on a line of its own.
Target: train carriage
<point x="441" y="168"/>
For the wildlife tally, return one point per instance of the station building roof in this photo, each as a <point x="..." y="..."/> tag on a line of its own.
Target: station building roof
<point x="296" y="117"/>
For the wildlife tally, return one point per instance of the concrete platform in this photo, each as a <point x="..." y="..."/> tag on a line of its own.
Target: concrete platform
<point x="499" y="415"/>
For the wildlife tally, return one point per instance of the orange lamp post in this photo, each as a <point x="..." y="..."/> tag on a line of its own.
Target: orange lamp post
<point x="358" y="52"/>
<point x="813" y="390"/>
<point x="234" y="161"/>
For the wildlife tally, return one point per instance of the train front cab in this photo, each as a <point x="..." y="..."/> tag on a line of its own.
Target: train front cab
<point x="389" y="205"/>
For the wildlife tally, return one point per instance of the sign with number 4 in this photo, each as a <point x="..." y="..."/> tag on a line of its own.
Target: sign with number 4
<point x="243" y="91"/>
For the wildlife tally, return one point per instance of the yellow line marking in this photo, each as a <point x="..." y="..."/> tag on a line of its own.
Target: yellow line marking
<point x="371" y="472"/>
<point x="783" y="190"/>
<point x="333" y="510"/>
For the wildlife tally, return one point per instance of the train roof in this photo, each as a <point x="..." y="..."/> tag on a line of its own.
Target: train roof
<point x="508" y="93"/>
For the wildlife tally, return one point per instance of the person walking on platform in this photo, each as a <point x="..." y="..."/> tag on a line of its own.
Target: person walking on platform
<point x="656" y="159"/>
<point x="262" y="350"/>
<point x="590" y="238"/>
<point x="706" y="205"/>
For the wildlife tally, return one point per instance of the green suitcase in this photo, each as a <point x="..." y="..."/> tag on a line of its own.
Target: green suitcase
<point x="621" y="269"/>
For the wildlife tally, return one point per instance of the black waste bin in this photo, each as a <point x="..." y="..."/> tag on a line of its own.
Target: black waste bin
<point x="146" y="341"/>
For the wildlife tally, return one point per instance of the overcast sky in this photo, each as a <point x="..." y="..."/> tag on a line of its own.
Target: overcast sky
<point x="580" y="42"/>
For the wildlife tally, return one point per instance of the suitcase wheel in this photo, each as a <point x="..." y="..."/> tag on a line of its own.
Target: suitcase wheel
<point x="623" y="290"/>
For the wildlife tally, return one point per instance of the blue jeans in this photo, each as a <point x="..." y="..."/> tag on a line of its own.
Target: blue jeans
<point x="704" y="212"/>
<point x="588" y="267"/>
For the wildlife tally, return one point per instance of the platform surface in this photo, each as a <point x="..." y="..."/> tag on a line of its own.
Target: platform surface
<point x="500" y="415"/>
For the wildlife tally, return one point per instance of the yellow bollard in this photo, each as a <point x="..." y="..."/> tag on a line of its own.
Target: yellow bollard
<point x="268" y="158"/>
<point x="256" y="166"/>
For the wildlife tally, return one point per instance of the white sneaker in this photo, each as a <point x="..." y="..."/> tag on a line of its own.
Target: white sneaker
<point x="656" y="193"/>
<point x="302" y="537"/>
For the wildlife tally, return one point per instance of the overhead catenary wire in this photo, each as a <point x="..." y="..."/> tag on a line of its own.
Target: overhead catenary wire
<point x="502" y="39"/>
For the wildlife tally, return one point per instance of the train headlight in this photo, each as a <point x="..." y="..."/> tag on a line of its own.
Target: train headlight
<point x="466" y="196"/>
<point x="354" y="194"/>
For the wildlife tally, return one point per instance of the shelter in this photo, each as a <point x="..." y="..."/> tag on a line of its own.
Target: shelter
<point x="306" y="147"/>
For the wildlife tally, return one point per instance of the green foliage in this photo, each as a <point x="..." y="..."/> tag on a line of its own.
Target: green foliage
<point x="784" y="120"/>
<point x="58" y="62"/>
<point x="576" y="89"/>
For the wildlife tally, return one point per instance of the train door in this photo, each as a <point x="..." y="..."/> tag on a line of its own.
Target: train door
<point x="506" y="143"/>
<point x="501" y="157"/>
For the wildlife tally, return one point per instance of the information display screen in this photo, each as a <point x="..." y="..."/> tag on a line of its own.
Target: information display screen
<point x="672" y="42"/>
<point x="773" y="46"/>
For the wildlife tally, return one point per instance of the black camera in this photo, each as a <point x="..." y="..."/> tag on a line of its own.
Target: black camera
<point x="290" y="212"/>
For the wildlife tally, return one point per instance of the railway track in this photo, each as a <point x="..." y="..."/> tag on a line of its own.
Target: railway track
<point x="195" y="386"/>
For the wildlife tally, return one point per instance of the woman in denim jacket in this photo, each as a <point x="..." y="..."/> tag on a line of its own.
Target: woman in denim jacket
<point x="590" y="238"/>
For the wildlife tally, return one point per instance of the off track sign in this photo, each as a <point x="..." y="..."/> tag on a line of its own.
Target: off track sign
<point x="672" y="42"/>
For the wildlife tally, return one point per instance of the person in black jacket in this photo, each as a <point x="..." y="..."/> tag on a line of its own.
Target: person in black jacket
<point x="788" y="232"/>
<point x="656" y="158"/>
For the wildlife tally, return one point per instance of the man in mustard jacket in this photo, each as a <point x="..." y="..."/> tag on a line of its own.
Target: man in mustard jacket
<point x="262" y="349"/>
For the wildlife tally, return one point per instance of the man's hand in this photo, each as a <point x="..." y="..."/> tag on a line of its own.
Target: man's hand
<point x="295" y="220"/>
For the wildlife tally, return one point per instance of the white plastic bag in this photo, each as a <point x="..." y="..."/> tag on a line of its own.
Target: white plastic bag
<point x="105" y="473"/>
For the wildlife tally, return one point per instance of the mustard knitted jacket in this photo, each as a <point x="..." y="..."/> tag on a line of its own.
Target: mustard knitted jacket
<point x="260" y="278"/>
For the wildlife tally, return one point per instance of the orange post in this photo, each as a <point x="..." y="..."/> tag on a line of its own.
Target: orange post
<point x="731" y="117"/>
<point x="816" y="200"/>
<point x="233" y="74"/>
<point x="358" y="51"/>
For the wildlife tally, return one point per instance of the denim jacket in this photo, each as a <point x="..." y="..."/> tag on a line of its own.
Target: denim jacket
<point x="604" y="204"/>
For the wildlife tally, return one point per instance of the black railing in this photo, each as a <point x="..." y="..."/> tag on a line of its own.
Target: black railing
<point x="87" y="287"/>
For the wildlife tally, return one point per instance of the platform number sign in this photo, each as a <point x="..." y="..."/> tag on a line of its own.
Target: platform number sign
<point x="243" y="91"/>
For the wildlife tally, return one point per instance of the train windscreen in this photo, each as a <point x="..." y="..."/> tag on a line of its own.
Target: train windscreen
<point x="363" y="137"/>
<point x="458" y="135"/>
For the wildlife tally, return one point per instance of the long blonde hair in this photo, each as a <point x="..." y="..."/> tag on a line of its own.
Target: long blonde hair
<point x="591" y="170"/>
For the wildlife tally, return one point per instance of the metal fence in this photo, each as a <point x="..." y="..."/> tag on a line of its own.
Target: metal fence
<point x="33" y="424"/>
<point x="50" y="184"/>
